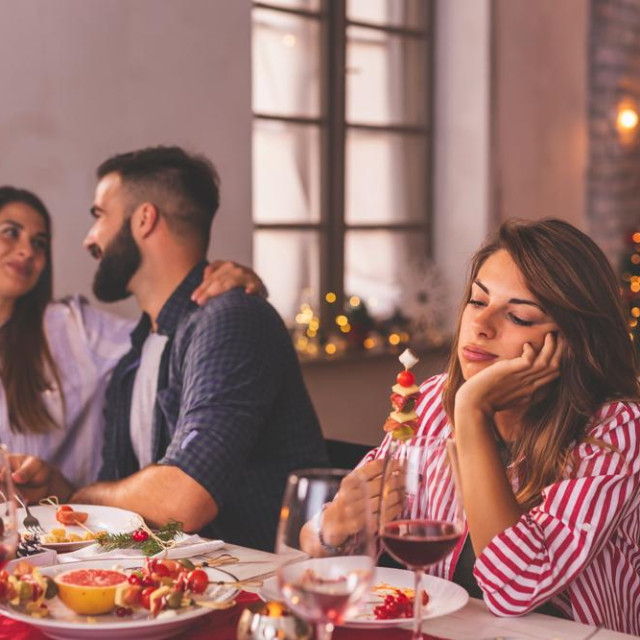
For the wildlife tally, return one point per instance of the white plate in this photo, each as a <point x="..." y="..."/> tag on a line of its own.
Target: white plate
<point x="66" y="625"/>
<point x="444" y="598"/>
<point x="109" y="519"/>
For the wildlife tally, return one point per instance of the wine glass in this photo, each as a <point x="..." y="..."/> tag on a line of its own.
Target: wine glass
<point x="325" y="568"/>
<point x="8" y="519"/>
<point x="420" y="509"/>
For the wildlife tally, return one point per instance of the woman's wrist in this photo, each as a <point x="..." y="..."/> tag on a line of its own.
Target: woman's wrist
<point x="331" y="534"/>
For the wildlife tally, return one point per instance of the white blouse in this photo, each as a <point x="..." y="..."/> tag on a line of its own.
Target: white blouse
<point x="86" y="343"/>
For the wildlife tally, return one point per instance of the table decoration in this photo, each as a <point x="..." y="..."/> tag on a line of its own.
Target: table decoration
<point x="271" y="620"/>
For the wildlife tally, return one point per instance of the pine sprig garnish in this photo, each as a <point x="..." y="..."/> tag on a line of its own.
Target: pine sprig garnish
<point x="149" y="547"/>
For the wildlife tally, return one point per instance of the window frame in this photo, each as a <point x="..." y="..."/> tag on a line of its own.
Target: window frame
<point x="333" y="127"/>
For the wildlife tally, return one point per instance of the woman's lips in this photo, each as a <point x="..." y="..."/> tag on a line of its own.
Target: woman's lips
<point x="21" y="270"/>
<point x="475" y="354"/>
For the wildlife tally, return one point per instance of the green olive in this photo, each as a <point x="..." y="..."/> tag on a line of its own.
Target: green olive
<point x="52" y="589"/>
<point x="174" y="600"/>
<point x="187" y="564"/>
<point x="26" y="591"/>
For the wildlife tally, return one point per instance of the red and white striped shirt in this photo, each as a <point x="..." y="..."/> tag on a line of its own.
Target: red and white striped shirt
<point x="579" y="548"/>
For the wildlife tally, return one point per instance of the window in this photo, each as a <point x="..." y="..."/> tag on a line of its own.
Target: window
<point x="341" y="149"/>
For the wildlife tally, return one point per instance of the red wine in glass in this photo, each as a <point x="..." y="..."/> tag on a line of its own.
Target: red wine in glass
<point x="420" y="543"/>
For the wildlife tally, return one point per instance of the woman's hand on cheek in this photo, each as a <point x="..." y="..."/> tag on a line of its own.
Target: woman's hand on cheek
<point x="508" y="383"/>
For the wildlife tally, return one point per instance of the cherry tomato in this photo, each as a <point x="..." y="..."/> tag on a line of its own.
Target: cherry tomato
<point x="145" y="594"/>
<point x="198" y="581"/>
<point x="406" y="379"/>
<point x="161" y="571"/>
<point x="71" y="517"/>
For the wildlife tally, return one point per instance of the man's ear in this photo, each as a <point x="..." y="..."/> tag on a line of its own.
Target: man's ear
<point x="145" y="219"/>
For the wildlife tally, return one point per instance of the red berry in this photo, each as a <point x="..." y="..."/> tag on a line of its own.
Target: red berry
<point x="121" y="612"/>
<point x="140" y="535"/>
<point x="406" y="378"/>
<point x="134" y="578"/>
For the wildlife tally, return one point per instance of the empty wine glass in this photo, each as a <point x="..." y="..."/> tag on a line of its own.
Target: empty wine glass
<point x="327" y="583"/>
<point x="8" y="521"/>
<point x="420" y="510"/>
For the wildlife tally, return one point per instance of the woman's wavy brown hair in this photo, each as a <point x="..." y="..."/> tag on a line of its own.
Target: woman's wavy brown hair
<point x="26" y="364"/>
<point x="575" y="284"/>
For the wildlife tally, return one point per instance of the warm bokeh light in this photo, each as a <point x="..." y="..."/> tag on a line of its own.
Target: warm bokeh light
<point x="289" y="40"/>
<point x="369" y="343"/>
<point x="341" y="321"/>
<point x="330" y="348"/>
<point x="627" y="119"/>
<point x="331" y="297"/>
<point x="354" y="301"/>
<point x="394" y="339"/>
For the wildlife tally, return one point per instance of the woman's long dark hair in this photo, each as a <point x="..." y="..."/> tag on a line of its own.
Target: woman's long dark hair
<point x="575" y="284"/>
<point x="26" y="364"/>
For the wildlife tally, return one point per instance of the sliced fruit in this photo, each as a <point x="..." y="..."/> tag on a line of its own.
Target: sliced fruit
<point x="89" y="592"/>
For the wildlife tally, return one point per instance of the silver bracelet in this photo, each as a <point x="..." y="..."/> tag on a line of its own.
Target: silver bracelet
<point x="347" y="545"/>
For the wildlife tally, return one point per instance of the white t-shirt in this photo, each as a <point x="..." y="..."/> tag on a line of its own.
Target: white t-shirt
<point x="145" y="387"/>
<point x="86" y="344"/>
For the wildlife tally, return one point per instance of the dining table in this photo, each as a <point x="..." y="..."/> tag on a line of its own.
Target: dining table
<point x="472" y="622"/>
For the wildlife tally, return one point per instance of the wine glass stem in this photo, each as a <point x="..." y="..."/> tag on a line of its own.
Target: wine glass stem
<point x="417" y="605"/>
<point x="324" y="630"/>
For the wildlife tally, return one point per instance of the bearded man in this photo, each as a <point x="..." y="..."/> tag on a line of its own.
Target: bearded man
<point x="207" y="413"/>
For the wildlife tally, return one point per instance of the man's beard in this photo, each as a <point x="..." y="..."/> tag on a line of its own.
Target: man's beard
<point x="120" y="261"/>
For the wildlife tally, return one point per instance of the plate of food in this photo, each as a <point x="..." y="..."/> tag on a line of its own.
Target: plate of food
<point x="71" y="527"/>
<point x="102" y="599"/>
<point x="390" y="602"/>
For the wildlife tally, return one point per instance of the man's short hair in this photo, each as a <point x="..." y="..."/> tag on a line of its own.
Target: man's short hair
<point x="183" y="187"/>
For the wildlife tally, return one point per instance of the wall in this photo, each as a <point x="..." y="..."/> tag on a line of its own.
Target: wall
<point x="539" y="113"/>
<point x="83" y="80"/>
<point x="461" y="138"/>
<point x="614" y="171"/>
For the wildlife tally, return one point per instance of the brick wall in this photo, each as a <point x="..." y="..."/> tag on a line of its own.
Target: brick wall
<point x="613" y="184"/>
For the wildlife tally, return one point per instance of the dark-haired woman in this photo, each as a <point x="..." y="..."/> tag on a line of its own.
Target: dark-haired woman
<point x="542" y="399"/>
<point x="56" y="357"/>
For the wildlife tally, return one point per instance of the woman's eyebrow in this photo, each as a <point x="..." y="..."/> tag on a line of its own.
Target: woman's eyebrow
<point x="512" y="300"/>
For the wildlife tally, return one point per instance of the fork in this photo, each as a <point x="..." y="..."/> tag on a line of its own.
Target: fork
<point x="30" y="523"/>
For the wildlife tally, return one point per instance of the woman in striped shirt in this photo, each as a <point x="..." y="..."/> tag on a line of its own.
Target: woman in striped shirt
<point x="542" y="398"/>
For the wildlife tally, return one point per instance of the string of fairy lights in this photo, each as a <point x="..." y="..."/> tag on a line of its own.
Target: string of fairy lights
<point x="630" y="274"/>
<point x="349" y="329"/>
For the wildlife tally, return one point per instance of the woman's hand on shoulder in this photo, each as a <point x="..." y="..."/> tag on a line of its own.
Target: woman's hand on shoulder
<point x="222" y="275"/>
<point x="509" y="383"/>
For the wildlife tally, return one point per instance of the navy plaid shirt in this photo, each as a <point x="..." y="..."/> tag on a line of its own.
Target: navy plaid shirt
<point x="231" y="411"/>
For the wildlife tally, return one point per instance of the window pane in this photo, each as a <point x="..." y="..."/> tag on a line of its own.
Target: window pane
<point x="386" y="78"/>
<point x="398" y="13"/>
<point x="381" y="280"/>
<point x="309" y="5"/>
<point x="386" y="178"/>
<point x="286" y="64"/>
<point x="288" y="263"/>
<point x="286" y="172"/>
